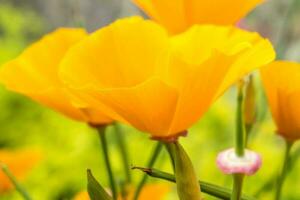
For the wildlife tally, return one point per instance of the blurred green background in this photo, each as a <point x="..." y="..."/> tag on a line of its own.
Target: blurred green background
<point x="68" y="148"/>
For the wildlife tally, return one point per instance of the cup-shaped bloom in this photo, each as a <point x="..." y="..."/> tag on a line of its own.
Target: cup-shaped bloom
<point x="35" y="74"/>
<point x="157" y="83"/>
<point x="19" y="163"/>
<point x="281" y="81"/>
<point x="179" y="15"/>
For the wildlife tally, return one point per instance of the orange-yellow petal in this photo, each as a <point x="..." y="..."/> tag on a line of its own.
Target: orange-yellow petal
<point x="281" y="80"/>
<point x="198" y="44"/>
<point x="35" y="74"/>
<point x="36" y="68"/>
<point x="197" y="88"/>
<point x="170" y="14"/>
<point x="149" y="106"/>
<point x="207" y="60"/>
<point x="178" y="15"/>
<point x="122" y="54"/>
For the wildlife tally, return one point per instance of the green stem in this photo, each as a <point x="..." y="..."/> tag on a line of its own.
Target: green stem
<point x="240" y="143"/>
<point x="186" y="179"/>
<point x="208" y="188"/>
<point x="150" y="164"/>
<point x="102" y="136"/>
<point x="237" y="186"/>
<point x="282" y="176"/>
<point x="240" y="130"/>
<point x="15" y="182"/>
<point x="123" y="151"/>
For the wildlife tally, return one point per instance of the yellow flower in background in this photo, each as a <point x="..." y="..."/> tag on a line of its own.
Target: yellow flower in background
<point x="178" y="15"/>
<point x="162" y="85"/>
<point x="35" y="74"/>
<point x="281" y="80"/>
<point x="19" y="163"/>
<point x="149" y="192"/>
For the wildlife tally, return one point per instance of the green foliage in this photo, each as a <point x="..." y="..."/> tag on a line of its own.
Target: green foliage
<point x="95" y="190"/>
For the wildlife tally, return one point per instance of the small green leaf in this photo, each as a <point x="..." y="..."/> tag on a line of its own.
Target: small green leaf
<point x="95" y="190"/>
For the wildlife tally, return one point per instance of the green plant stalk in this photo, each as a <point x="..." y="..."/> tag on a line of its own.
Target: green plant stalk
<point x="15" y="182"/>
<point x="186" y="179"/>
<point x="237" y="186"/>
<point x="208" y="188"/>
<point x="102" y="136"/>
<point x="150" y="164"/>
<point x="240" y="143"/>
<point x="240" y="129"/>
<point x="282" y="176"/>
<point x="123" y="151"/>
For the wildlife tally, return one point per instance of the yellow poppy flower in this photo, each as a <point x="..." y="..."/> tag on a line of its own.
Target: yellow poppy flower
<point x="179" y="15"/>
<point x="35" y="74"/>
<point x="160" y="84"/>
<point x="149" y="192"/>
<point x="19" y="163"/>
<point x="281" y="80"/>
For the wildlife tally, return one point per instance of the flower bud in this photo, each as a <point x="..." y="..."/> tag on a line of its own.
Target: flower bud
<point x="249" y="105"/>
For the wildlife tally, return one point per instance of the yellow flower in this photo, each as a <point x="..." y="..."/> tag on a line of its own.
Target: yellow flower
<point x="35" y="74"/>
<point x="149" y="192"/>
<point x="179" y="15"/>
<point x="19" y="163"/>
<point x="281" y="80"/>
<point x="160" y="84"/>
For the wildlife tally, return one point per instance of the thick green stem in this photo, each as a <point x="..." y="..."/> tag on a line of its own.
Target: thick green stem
<point x="15" y="182"/>
<point x="186" y="179"/>
<point x="150" y="164"/>
<point x="123" y="151"/>
<point x="208" y="188"/>
<point x="102" y="136"/>
<point x="237" y="186"/>
<point x="282" y="176"/>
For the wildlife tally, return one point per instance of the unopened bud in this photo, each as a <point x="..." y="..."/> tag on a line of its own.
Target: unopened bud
<point x="250" y="104"/>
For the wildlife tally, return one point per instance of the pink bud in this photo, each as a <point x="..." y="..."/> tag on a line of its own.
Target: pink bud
<point x="230" y="163"/>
